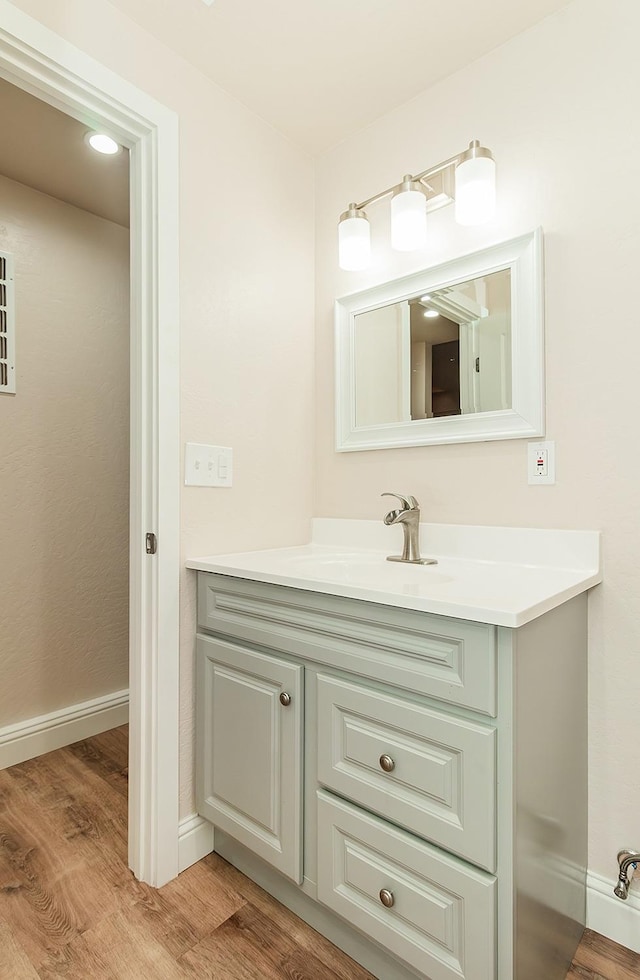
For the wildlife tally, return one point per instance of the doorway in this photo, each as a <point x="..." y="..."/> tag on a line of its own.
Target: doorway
<point x="64" y="431"/>
<point x="40" y="62"/>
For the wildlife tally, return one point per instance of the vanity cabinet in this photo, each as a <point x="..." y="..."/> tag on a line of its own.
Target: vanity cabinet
<point x="420" y="795"/>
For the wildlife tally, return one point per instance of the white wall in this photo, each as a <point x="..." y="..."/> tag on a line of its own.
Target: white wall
<point x="64" y="459"/>
<point x="559" y="106"/>
<point x="246" y="285"/>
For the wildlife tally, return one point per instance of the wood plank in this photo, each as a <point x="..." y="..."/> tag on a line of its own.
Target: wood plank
<point x="75" y="961"/>
<point x="60" y="872"/>
<point x="178" y="918"/>
<point x="48" y="907"/>
<point x="128" y="951"/>
<point x="14" y="962"/>
<point x="59" y="794"/>
<point x="204" y="898"/>
<point x="248" y="945"/>
<point x="303" y="965"/>
<point x="580" y="973"/>
<point x="107" y="756"/>
<point x="606" y="959"/>
<point x="336" y="963"/>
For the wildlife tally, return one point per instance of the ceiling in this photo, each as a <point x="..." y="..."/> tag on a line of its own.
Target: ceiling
<point x="318" y="70"/>
<point x="45" y="149"/>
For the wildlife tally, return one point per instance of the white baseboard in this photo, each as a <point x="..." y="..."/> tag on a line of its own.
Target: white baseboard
<point x="610" y="916"/>
<point x="28" y="739"/>
<point x="195" y="840"/>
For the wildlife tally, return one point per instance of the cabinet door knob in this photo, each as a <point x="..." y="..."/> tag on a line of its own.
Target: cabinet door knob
<point x="386" y="897"/>
<point x="387" y="763"/>
<point x="285" y="699"/>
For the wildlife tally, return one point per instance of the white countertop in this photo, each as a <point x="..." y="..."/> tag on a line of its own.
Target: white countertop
<point x="504" y="576"/>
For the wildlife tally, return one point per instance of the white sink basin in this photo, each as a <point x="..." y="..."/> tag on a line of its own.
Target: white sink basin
<point x="365" y="569"/>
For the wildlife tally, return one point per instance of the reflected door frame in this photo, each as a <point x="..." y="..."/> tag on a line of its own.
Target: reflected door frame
<point x="42" y="63"/>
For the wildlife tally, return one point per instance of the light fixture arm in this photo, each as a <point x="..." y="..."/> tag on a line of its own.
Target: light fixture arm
<point x="423" y="177"/>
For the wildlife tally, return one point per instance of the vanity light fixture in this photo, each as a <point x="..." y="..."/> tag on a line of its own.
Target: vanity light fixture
<point x="408" y="216"/>
<point x="355" y="239"/>
<point x="468" y="179"/>
<point x="475" y="186"/>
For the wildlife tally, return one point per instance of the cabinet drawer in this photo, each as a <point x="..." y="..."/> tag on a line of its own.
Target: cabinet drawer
<point x="441" y="919"/>
<point x="421" y="768"/>
<point x="450" y="659"/>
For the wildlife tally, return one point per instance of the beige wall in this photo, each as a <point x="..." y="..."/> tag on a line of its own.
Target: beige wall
<point x="246" y="294"/>
<point x="559" y="106"/>
<point x="64" y="459"/>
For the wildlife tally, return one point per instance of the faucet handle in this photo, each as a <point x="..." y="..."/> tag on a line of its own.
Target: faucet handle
<point x="408" y="503"/>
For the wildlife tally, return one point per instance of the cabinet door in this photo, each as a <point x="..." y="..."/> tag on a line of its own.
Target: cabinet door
<point x="249" y="750"/>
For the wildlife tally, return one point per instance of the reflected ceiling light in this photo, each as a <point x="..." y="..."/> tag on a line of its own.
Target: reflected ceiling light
<point x="425" y="298"/>
<point x="468" y="179"/>
<point x="354" y="239"/>
<point x="102" y="143"/>
<point x="431" y="313"/>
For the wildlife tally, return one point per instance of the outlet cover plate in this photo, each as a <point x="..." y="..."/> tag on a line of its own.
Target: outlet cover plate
<point x="541" y="473"/>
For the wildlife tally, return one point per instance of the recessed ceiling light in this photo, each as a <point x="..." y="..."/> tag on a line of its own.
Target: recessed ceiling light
<point x="425" y="298"/>
<point x="431" y="313"/>
<point x="102" y="143"/>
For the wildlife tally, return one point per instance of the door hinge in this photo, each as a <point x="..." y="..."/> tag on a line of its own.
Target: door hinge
<point x="478" y="365"/>
<point x="151" y="543"/>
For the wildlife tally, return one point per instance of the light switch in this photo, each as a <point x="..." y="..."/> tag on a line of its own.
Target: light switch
<point x="207" y="466"/>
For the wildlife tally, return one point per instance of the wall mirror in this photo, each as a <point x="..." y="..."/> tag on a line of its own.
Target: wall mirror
<point x="453" y="353"/>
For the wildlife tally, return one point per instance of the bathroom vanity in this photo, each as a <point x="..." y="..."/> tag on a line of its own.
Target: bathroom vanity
<point x="399" y="754"/>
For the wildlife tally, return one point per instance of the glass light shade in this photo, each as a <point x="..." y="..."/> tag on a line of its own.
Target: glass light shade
<point x="408" y="220"/>
<point x="475" y="190"/>
<point x="354" y="241"/>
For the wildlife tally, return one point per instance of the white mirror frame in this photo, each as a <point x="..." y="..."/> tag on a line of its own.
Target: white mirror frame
<point x="525" y="419"/>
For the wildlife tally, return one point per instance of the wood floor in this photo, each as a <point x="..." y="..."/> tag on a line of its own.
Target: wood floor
<point x="70" y="908"/>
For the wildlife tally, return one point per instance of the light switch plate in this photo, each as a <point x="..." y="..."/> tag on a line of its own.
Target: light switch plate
<point x="207" y="466"/>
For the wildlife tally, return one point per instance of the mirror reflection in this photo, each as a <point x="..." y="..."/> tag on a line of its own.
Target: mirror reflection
<point x="442" y="353"/>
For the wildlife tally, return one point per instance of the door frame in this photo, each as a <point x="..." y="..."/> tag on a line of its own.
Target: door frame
<point x="44" y="64"/>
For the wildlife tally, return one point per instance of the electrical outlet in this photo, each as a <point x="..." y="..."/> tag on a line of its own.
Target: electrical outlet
<point x="541" y="463"/>
<point x="207" y="466"/>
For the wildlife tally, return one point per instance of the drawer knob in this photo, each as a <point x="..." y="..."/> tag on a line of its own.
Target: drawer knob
<point x="285" y="699"/>
<point x="387" y="763"/>
<point x="386" y="897"/>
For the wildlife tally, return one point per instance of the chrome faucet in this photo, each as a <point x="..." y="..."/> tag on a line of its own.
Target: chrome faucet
<point x="409" y="516"/>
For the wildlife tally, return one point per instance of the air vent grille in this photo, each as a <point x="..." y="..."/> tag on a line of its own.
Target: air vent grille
<point x="7" y="326"/>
